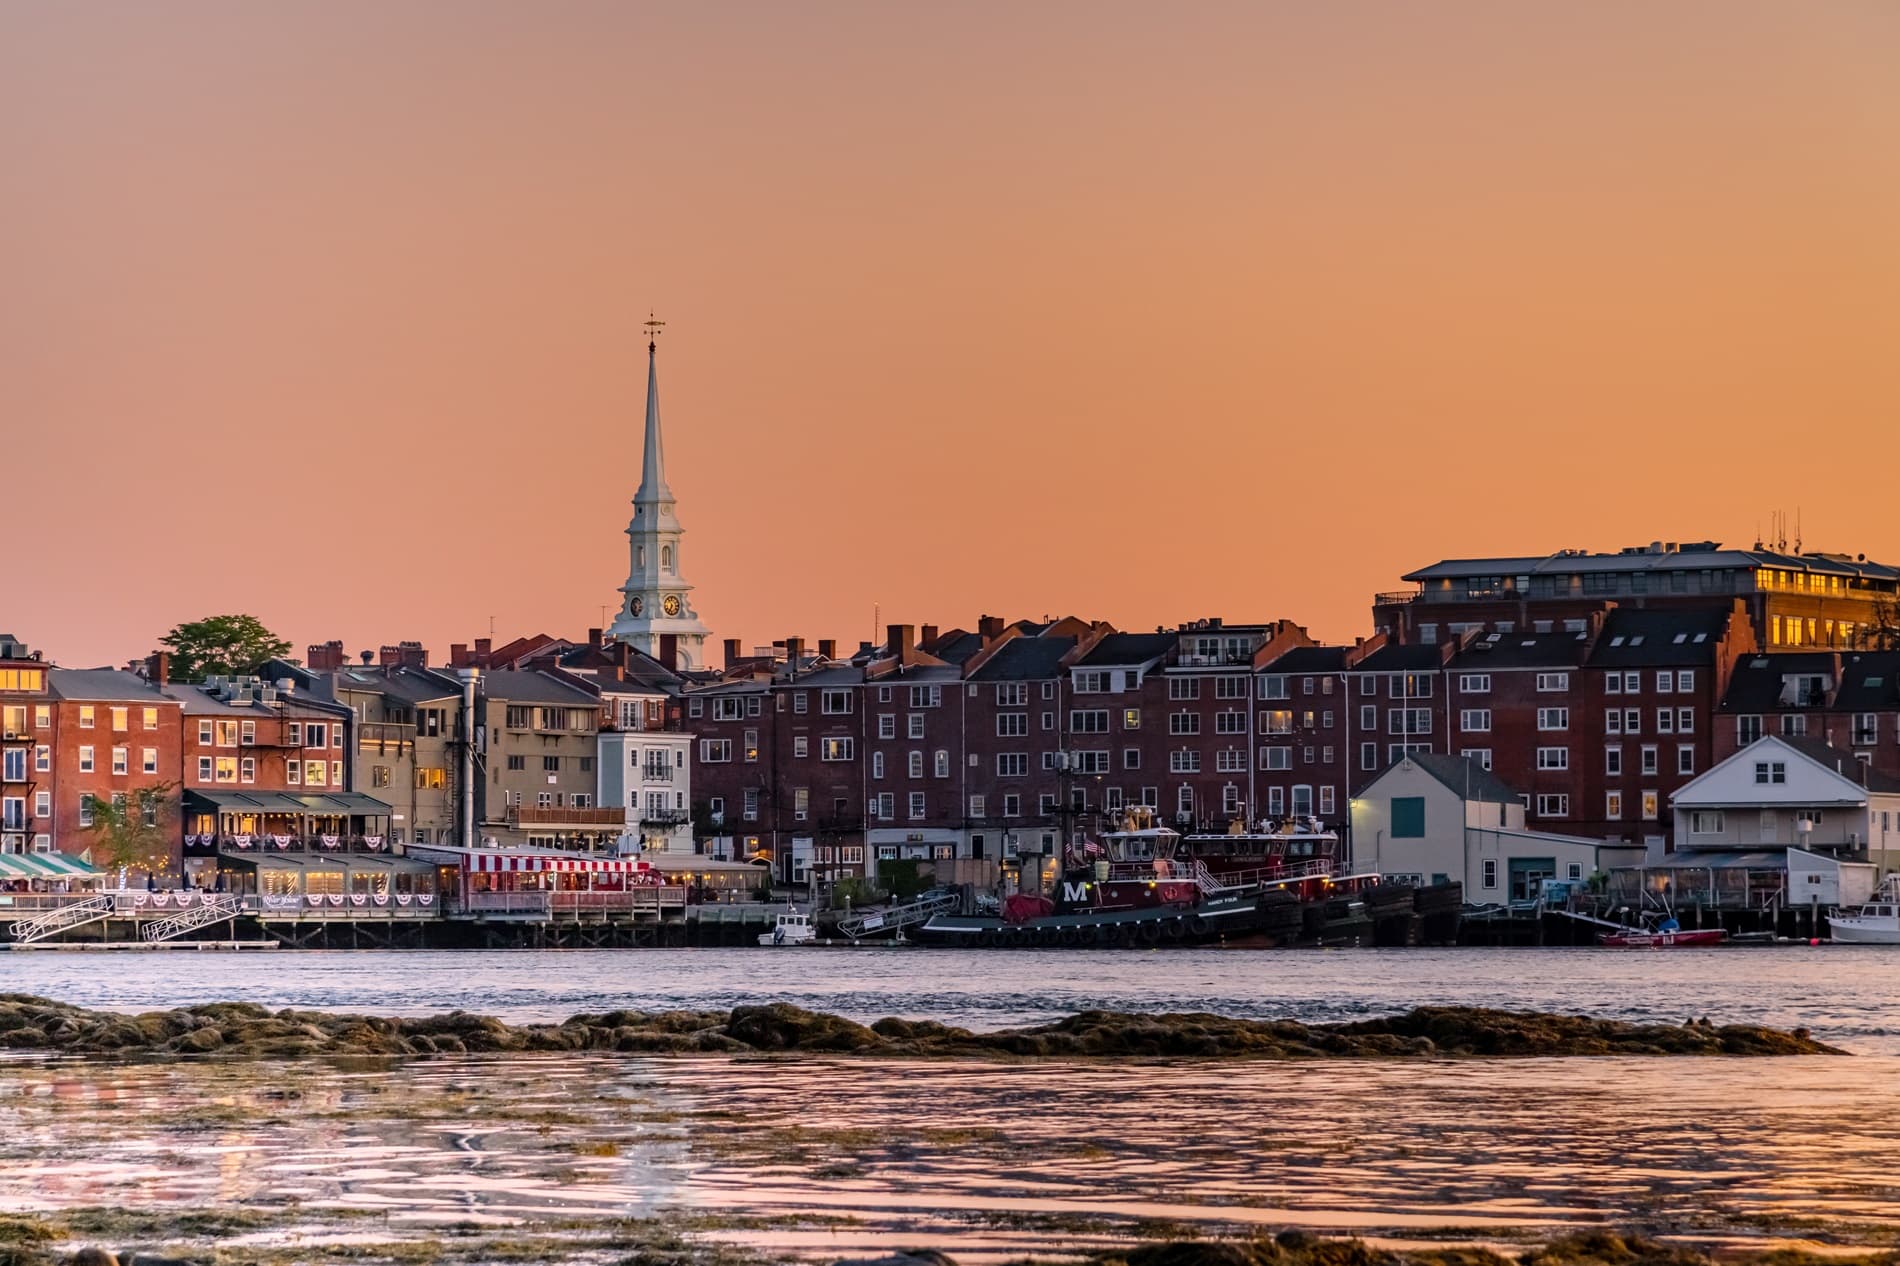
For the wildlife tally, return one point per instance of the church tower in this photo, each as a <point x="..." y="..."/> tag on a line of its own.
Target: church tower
<point x="655" y="601"/>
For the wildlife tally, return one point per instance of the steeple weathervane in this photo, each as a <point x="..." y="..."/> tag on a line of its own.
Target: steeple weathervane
<point x="654" y="330"/>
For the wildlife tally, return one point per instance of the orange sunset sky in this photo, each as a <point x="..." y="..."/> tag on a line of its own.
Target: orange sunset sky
<point x="1136" y="311"/>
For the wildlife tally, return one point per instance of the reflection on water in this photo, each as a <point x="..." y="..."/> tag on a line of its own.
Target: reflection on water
<point x="1844" y="993"/>
<point x="985" y="1159"/>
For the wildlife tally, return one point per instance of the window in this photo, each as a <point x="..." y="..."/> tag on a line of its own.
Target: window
<point x="42" y="716"/>
<point x="121" y="720"/>
<point x="149" y="718"/>
<point x="1011" y="694"/>
<point x="1866" y="729"/>
<point x="1012" y="764"/>
<point x="1613" y="683"/>
<point x="926" y="696"/>
<point x="836" y="749"/>
<point x="1184" y="723"/>
<point x="1368" y="756"/>
<point x="1553" y="758"/>
<point x="801" y="701"/>
<point x="1613" y="805"/>
<point x="1480" y="754"/>
<point x="1184" y="761"/>
<point x="1276" y="722"/>
<point x="227" y="771"/>
<point x="204" y="770"/>
<point x="1230" y="760"/>
<point x="1474" y="683"/>
<point x="1326" y="800"/>
<point x="1230" y="722"/>
<point x="801" y="746"/>
<point x="1411" y="686"/>
<point x="1768" y="773"/>
<point x="1273" y="687"/>
<point x="801" y="804"/>
<point x="1685" y="720"/>
<point x="86" y="716"/>
<point x="378" y="774"/>
<point x="1649" y="759"/>
<point x="1131" y="718"/>
<point x="85" y="809"/>
<point x="86" y="763"/>
<point x="715" y="751"/>
<point x="1184" y="687"/>
<point x="1089" y="683"/>
<point x="887" y="725"/>
<point x="1632" y="720"/>
<point x="1553" y="718"/>
<point x="1408" y="721"/>
<point x="916" y="805"/>
<point x="1553" y="806"/>
<point x="43" y="759"/>
<point x="1549" y="682"/>
<point x="42" y="804"/>
<point x="1012" y="806"/>
<point x="1475" y="720"/>
<point x="940" y="763"/>
<point x="915" y="765"/>
<point x="915" y="727"/>
<point x="1613" y="761"/>
<point x="1794" y="725"/>
<point x="877" y="764"/>
<point x="749" y="804"/>
<point x="315" y="772"/>
<point x="1665" y="720"/>
<point x="1408" y="817"/>
<point x="1089" y="762"/>
<point x="1665" y="681"/>
<point x="1088" y="721"/>
<point x="1276" y="758"/>
<point x="121" y="761"/>
<point x="1685" y="758"/>
<point x="1706" y="822"/>
<point x="1232" y="687"/>
<point x="834" y="702"/>
<point x="1685" y="681"/>
<point x="1488" y="875"/>
<point x="1368" y="686"/>
<point x="315" y="734"/>
<point x="1368" y="718"/>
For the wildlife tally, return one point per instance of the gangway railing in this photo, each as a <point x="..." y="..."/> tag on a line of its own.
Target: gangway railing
<point x="1197" y="873"/>
<point x="900" y="917"/>
<point x="213" y="909"/>
<point x="61" y="918"/>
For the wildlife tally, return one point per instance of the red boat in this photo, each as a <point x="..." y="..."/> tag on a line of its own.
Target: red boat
<point x="1637" y="938"/>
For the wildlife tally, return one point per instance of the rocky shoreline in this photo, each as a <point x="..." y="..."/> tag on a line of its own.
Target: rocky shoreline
<point x="248" y="1031"/>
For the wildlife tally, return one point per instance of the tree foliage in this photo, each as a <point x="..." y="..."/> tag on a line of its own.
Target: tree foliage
<point x="134" y="835"/>
<point x="222" y="645"/>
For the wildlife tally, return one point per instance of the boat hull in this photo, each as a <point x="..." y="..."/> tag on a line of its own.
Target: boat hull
<point x="1847" y="931"/>
<point x="1662" y="940"/>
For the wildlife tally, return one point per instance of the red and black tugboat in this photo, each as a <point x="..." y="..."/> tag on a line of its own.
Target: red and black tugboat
<point x="1145" y="884"/>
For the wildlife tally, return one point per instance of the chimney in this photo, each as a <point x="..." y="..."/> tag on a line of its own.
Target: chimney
<point x="483" y="646"/>
<point x="794" y="652"/>
<point x="366" y="657"/>
<point x="732" y="651"/>
<point x="991" y="627"/>
<point x="593" y="638"/>
<point x="158" y="669"/>
<point x="390" y="656"/>
<point x="670" y="651"/>
<point x="900" y="640"/>
<point x="412" y="655"/>
<point x="324" y="657"/>
<point x="929" y="637"/>
<point x="827" y="648"/>
<point x="458" y="654"/>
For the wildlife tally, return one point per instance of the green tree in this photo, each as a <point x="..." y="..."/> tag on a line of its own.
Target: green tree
<point x="135" y="834"/>
<point x="220" y="644"/>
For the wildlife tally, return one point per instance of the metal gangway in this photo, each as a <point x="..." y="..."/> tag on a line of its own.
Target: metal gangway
<point x="211" y="910"/>
<point x="60" y="918"/>
<point x="898" y="917"/>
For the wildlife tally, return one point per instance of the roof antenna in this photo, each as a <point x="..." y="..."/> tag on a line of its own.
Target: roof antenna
<point x="1797" y="529"/>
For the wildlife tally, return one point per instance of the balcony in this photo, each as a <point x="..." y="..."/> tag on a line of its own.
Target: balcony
<point x="656" y="773"/>
<point x="383" y="735"/>
<point x="1221" y="660"/>
<point x="665" y="819"/>
<point x="522" y="815"/>
<point x="1397" y="598"/>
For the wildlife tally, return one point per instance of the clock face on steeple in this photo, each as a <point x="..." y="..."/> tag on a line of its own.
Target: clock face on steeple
<point x="671" y="604"/>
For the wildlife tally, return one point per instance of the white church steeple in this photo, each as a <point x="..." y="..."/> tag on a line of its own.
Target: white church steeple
<point x="656" y="601"/>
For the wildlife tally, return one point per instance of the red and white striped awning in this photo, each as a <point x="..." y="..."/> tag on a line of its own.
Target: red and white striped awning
<point x="500" y="861"/>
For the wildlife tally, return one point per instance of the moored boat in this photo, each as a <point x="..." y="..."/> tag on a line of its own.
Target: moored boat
<point x="1877" y="922"/>
<point x="1666" y="936"/>
<point x="790" y="928"/>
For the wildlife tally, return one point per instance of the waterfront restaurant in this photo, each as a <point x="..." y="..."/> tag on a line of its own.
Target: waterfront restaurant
<point x="532" y="880"/>
<point x="225" y="826"/>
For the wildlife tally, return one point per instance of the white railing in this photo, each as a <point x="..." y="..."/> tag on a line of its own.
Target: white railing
<point x="72" y="915"/>
<point x="899" y="917"/>
<point x="214" y="909"/>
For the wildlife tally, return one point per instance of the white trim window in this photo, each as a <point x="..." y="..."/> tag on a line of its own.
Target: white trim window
<point x="1475" y="720"/>
<point x="1012" y="764"/>
<point x="1553" y="758"/>
<point x="715" y="751"/>
<point x="1550" y="683"/>
<point x="1553" y="805"/>
<point x="1474" y="683"/>
<point x="1480" y="754"/>
<point x="1553" y="718"/>
<point x="1706" y="822"/>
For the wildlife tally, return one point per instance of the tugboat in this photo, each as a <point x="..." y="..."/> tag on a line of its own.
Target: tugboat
<point x="1148" y="885"/>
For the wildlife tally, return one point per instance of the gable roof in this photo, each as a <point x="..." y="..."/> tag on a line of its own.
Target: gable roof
<point x="92" y="685"/>
<point x="1129" y="648"/>
<point x="1310" y="659"/>
<point x="1025" y="659"/>
<point x="1522" y="650"/>
<point x="1463" y="776"/>
<point x="1848" y="780"/>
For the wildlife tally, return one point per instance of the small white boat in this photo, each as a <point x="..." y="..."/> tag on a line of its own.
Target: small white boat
<point x="1875" y="923"/>
<point x="790" y="929"/>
